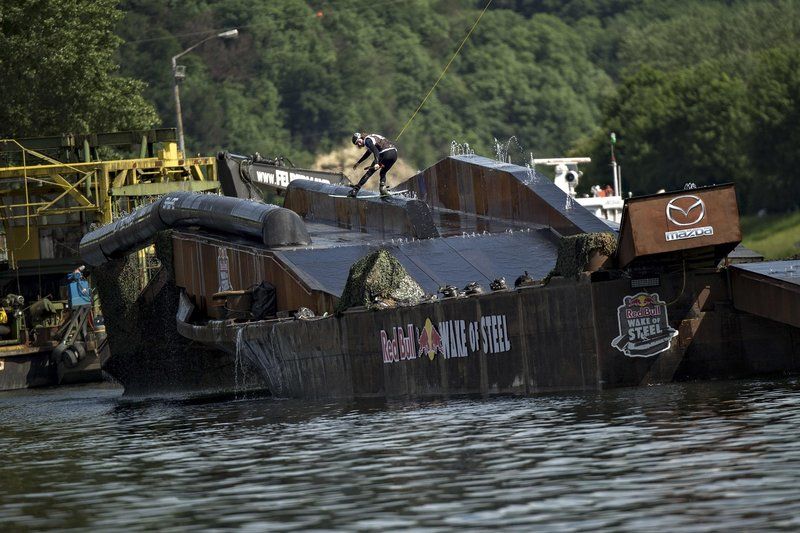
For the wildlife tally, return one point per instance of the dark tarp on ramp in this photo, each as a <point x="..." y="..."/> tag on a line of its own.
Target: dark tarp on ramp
<point x="436" y="262"/>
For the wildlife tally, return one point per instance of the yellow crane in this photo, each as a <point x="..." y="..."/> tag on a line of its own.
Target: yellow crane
<point x="53" y="189"/>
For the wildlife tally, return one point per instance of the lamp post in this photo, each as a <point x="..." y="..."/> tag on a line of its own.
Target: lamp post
<point x="179" y="73"/>
<point x="616" y="171"/>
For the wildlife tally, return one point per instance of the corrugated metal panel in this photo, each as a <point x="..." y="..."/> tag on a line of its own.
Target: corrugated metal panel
<point x="197" y="271"/>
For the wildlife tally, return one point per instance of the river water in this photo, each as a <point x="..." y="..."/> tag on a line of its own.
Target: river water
<point x="690" y="457"/>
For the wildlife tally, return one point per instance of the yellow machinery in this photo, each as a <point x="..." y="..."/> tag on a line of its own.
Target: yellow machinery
<point x="54" y="189"/>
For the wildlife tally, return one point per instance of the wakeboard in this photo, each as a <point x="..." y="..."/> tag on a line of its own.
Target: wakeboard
<point x="370" y="195"/>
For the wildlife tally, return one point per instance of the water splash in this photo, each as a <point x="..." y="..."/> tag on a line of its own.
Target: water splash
<point x="237" y="362"/>
<point x="457" y="148"/>
<point x="501" y="150"/>
<point x="531" y="177"/>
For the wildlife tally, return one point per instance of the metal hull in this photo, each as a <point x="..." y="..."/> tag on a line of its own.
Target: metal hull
<point x="666" y="313"/>
<point x="518" y="342"/>
<point x="25" y="367"/>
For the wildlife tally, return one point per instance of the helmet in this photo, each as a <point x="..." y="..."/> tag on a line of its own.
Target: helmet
<point x="356" y="137"/>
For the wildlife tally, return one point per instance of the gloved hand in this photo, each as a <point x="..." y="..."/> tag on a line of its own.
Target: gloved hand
<point x="376" y="166"/>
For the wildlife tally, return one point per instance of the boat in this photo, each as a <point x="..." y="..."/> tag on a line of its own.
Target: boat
<point x="412" y="296"/>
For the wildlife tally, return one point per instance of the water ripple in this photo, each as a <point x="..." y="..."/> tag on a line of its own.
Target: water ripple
<point x="699" y="457"/>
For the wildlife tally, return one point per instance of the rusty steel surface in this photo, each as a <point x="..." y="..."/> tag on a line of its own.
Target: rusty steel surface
<point x="315" y="277"/>
<point x="494" y="344"/>
<point x="484" y="187"/>
<point x="566" y="335"/>
<point x="390" y="217"/>
<point x="678" y="221"/>
<point x="503" y="220"/>
<point x="770" y="289"/>
<point x="199" y="260"/>
<point x="526" y="341"/>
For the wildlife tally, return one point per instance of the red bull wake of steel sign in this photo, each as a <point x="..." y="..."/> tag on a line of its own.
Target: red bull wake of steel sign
<point x="644" y="328"/>
<point x="449" y="339"/>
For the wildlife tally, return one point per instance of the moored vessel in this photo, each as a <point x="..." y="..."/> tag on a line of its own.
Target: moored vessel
<point x="426" y="309"/>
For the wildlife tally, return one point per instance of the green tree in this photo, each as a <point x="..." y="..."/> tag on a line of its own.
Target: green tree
<point x="774" y="103"/>
<point x="679" y="127"/>
<point x="337" y="67"/>
<point x="58" y="72"/>
<point x="709" y="96"/>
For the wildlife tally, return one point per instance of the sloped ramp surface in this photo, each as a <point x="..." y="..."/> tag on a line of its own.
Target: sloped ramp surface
<point x="485" y="187"/>
<point x="434" y="263"/>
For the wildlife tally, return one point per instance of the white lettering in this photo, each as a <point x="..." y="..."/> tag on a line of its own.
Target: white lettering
<point x="446" y="335"/>
<point x="506" y="340"/>
<point x="689" y="233"/>
<point x="473" y="336"/>
<point x="281" y="178"/>
<point x="462" y="338"/>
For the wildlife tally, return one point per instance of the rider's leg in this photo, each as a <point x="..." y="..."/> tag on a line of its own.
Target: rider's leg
<point x="357" y="187"/>
<point x="387" y="161"/>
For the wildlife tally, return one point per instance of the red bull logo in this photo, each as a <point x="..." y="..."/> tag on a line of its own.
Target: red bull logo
<point x="400" y="347"/>
<point x="641" y="305"/>
<point x="640" y="300"/>
<point x="430" y="341"/>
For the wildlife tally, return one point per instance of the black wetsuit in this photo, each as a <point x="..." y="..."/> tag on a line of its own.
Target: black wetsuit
<point x="385" y="153"/>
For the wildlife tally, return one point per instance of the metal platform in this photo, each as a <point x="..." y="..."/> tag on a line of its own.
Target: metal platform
<point x="770" y="289"/>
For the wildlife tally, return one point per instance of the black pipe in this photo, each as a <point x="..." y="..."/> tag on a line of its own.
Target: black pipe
<point x="270" y="224"/>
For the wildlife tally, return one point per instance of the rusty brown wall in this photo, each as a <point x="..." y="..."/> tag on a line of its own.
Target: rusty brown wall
<point x="196" y="270"/>
<point x="645" y="223"/>
<point x="550" y="333"/>
<point x="714" y="342"/>
<point x="486" y="191"/>
<point x="559" y="338"/>
<point x="766" y="296"/>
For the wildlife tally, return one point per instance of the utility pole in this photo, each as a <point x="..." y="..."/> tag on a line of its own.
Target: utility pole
<point x="615" y="167"/>
<point x="179" y="74"/>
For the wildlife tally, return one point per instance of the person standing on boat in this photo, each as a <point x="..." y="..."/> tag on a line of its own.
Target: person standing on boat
<point x="384" y="153"/>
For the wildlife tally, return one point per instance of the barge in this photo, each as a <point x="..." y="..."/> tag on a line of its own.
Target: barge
<point x="485" y="279"/>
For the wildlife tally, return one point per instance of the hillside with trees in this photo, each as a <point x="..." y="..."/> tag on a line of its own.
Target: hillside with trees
<point x="703" y="92"/>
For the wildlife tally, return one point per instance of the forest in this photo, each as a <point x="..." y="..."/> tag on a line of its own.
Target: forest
<point x="702" y="92"/>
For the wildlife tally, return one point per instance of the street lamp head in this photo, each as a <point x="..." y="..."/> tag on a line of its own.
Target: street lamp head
<point x="179" y="72"/>
<point x="230" y="34"/>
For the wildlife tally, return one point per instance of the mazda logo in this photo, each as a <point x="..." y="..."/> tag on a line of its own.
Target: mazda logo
<point x="693" y="213"/>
